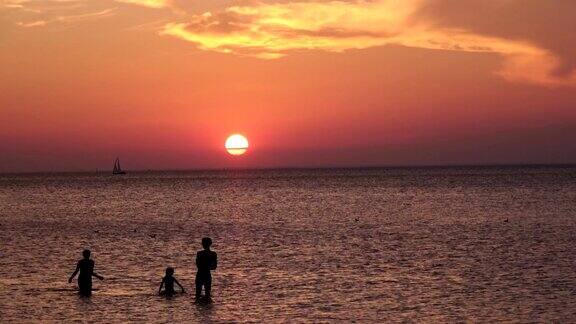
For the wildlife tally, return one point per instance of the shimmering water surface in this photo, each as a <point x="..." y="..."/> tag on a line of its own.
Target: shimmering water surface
<point x="374" y="245"/>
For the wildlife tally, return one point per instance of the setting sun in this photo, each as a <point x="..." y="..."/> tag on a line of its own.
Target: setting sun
<point x="236" y="144"/>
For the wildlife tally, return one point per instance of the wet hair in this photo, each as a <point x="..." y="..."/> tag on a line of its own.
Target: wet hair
<point x="206" y="242"/>
<point x="169" y="271"/>
<point x="86" y="253"/>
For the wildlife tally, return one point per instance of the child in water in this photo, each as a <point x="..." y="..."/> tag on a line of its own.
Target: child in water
<point x="206" y="260"/>
<point x="86" y="268"/>
<point x="168" y="283"/>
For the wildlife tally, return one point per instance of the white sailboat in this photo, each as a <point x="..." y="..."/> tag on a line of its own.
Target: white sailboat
<point x="117" y="168"/>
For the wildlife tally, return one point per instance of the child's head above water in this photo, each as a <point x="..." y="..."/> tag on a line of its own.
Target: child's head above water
<point x="170" y="271"/>
<point x="86" y="254"/>
<point x="206" y="242"/>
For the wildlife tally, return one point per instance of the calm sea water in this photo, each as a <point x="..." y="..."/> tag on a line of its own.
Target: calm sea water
<point x="374" y="245"/>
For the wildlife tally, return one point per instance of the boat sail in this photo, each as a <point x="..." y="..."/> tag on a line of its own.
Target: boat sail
<point x="117" y="168"/>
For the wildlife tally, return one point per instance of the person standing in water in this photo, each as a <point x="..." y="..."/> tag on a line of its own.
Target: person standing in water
<point x="168" y="283"/>
<point x="86" y="268"/>
<point x="206" y="260"/>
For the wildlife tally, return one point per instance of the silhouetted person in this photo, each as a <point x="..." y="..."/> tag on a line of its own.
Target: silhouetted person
<point x="168" y="283"/>
<point x="86" y="268"/>
<point x="206" y="260"/>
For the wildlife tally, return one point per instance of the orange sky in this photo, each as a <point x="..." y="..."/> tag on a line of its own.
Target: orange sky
<point x="162" y="83"/>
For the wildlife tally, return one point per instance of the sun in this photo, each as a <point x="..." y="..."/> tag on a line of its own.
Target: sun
<point x="236" y="144"/>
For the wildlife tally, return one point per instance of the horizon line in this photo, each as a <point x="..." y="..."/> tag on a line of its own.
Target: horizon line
<point x="359" y="167"/>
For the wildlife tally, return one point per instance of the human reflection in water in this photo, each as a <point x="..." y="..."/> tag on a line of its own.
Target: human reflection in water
<point x="206" y="260"/>
<point x="86" y="268"/>
<point x="168" y="283"/>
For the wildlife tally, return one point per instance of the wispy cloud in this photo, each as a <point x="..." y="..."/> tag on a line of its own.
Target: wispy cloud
<point x="38" y="13"/>
<point x="157" y="4"/>
<point x="275" y="30"/>
<point x="41" y="6"/>
<point x="37" y="5"/>
<point x="69" y="19"/>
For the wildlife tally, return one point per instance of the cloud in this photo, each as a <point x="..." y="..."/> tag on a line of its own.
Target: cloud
<point x="39" y="13"/>
<point x="40" y="6"/>
<point x="548" y="24"/>
<point x="12" y="4"/>
<point x="69" y="19"/>
<point x="156" y="4"/>
<point x="535" y="38"/>
<point x="275" y="30"/>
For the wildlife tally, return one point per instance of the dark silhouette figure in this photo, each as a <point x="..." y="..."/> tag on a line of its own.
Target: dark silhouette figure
<point x="86" y="268"/>
<point x="168" y="283"/>
<point x="206" y="260"/>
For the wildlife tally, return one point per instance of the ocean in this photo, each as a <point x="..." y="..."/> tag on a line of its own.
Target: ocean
<point x="453" y="244"/>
